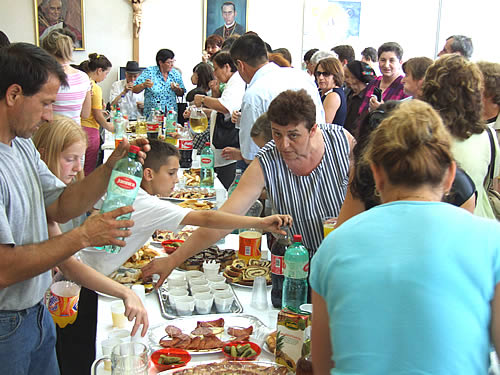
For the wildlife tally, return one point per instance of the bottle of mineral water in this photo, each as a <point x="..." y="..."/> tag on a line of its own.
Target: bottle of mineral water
<point x="295" y="271"/>
<point x="236" y="180"/>
<point x="123" y="186"/>
<point x="207" y="167"/>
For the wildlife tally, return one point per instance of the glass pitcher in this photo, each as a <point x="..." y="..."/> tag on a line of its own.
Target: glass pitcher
<point x="198" y="121"/>
<point x="130" y="358"/>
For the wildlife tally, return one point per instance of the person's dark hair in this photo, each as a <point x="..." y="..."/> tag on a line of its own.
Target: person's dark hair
<point x="461" y="44"/>
<point x="214" y="40"/>
<point x="369" y="53"/>
<point x="159" y="154"/>
<point x="309" y="54"/>
<point x="163" y="55"/>
<point x="262" y="128"/>
<point x="250" y="49"/>
<point x="333" y="66"/>
<point x="292" y="107"/>
<point x="285" y="53"/>
<point x="226" y="3"/>
<point x="391" y="47"/>
<point x="453" y="86"/>
<point x="97" y="61"/>
<point x="362" y="185"/>
<point x="344" y="52"/>
<point x="4" y="40"/>
<point x="229" y="42"/>
<point x="491" y="80"/>
<point x="417" y="66"/>
<point x="205" y="74"/>
<point x="412" y="146"/>
<point x="28" y="66"/>
<point x="222" y="58"/>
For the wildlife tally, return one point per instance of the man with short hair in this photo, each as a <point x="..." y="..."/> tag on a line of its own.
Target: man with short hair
<point x="230" y="27"/>
<point x="265" y="81"/>
<point x="345" y="53"/>
<point x="31" y="197"/>
<point x="458" y="44"/>
<point x="133" y="103"/>
<point x="414" y="70"/>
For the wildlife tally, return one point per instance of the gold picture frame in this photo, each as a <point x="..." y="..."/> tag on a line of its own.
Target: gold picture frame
<point x="57" y="14"/>
<point x="214" y="21"/>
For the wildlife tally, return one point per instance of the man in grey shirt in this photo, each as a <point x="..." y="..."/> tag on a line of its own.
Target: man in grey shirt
<point x="30" y="198"/>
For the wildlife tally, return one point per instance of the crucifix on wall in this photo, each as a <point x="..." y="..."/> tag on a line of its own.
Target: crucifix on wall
<point x="137" y="21"/>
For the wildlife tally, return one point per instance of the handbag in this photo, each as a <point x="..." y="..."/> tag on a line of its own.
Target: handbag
<point x="493" y="195"/>
<point x="181" y="107"/>
<point x="225" y="133"/>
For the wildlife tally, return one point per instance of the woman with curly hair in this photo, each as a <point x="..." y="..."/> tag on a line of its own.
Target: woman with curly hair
<point x="453" y="86"/>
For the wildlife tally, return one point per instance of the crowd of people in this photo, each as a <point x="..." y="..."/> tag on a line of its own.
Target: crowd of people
<point x="404" y="158"/>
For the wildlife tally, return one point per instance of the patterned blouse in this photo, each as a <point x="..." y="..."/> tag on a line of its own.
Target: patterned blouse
<point x="393" y="92"/>
<point x="161" y="90"/>
<point x="309" y="198"/>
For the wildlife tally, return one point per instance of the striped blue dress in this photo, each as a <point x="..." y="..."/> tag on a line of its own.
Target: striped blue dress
<point x="309" y="198"/>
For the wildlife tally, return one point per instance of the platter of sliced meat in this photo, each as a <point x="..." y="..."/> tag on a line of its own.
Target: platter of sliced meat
<point x="208" y="335"/>
<point x="230" y="367"/>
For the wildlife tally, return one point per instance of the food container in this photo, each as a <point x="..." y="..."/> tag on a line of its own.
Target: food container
<point x="292" y="332"/>
<point x="226" y="349"/>
<point x="183" y="355"/>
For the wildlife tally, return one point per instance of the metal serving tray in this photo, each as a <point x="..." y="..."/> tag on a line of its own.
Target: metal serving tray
<point x="169" y="312"/>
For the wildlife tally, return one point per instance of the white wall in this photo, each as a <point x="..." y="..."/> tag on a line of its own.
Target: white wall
<point x="178" y="25"/>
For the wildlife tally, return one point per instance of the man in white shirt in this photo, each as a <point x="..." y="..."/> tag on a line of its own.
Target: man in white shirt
<point x="133" y="103"/>
<point x="265" y="81"/>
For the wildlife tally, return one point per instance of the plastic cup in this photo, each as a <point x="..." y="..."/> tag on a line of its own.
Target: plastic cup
<point x="177" y="276"/>
<point x="176" y="283"/>
<point x="217" y="288"/>
<point x="184" y="305"/>
<point x="198" y="282"/>
<point x="329" y="223"/>
<point x="174" y="294"/>
<point x="193" y="274"/>
<point x="200" y="289"/>
<point x="223" y="301"/>
<point x="119" y="334"/>
<point x="118" y="314"/>
<point x="140" y="291"/>
<point x="259" y="293"/>
<point x="216" y="280"/>
<point x="107" y="346"/>
<point x="63" y="302"/>
<point x="211" y="269"/>
<point x="203" y="303"/>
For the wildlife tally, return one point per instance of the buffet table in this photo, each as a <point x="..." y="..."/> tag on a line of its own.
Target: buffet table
<point x="267" y="316"/>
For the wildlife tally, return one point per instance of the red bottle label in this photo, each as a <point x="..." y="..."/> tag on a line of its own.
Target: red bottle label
<point x="125" y="183"/>
<point x="185" y="144"/>
<point x="277" y="264"/>
<point x="206" y="160"/>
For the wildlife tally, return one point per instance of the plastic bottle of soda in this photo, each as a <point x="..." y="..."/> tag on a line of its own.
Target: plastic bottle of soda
<point x="118" y="126"/>
<point x="295" y="272"/>
<point x="170" y="127"/>
<point x="123" y="186"/>
<point x="185" y="147"/>
<point x="235" y="182"/>
<point x="277" y="265"/>
<point x="207" y="167"/>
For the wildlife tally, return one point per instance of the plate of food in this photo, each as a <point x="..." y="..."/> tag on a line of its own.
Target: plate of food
<point x="196" y="204"/>
<point x="207" y="336"/>
<point x="230" y="367"/>
<point x="270" y="343"/>
<point x="162" y="235"/>
<point x="243" y="274"/>
<point x="213" y="253"/>
<point x="191" y="193"/>
<point x="191" y="177"/>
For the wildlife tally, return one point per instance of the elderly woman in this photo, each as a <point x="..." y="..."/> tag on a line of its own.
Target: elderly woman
<point x="453" y="86"/>
<point x="163" y="83"/>
<point x="397" y="289"/>
<point x="304" y="170"/>
<point x="357" y="76"/>
<point x="329" y="75"/>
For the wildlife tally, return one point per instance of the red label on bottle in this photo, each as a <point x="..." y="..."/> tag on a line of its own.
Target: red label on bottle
<point x="306" y="268"/>
<point x="152" y="127"/>
<point x="206" y="160"/>
<point x="277" y="264"/>
<point x="125" y="183"/>
<point x="185" y="144"/>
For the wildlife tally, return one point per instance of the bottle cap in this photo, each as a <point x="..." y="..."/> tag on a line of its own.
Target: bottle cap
<point x="207" y="143"/>
<point x="297" y="238"/>
<point x="134" y="149"/>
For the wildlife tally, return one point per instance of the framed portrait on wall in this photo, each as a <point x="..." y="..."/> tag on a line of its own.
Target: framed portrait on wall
<point x="225" y="18"/>
<point x="60" y="14"/>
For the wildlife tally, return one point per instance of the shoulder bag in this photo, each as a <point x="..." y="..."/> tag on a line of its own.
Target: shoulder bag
<point x="225" y="133"/>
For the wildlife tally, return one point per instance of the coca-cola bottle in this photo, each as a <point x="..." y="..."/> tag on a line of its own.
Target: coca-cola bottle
<point x="185" y="147"/>
<point x="278" y="250"/>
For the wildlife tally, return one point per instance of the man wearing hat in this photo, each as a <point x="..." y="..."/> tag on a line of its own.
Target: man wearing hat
<point x="133" y="103"/>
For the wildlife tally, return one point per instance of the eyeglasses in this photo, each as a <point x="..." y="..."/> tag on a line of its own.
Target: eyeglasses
<point x="169" y="62"/>
<point x="324" y="74"/>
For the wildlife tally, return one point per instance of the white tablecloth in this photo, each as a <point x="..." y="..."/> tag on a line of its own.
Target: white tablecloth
<point x="268" y="316"/>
